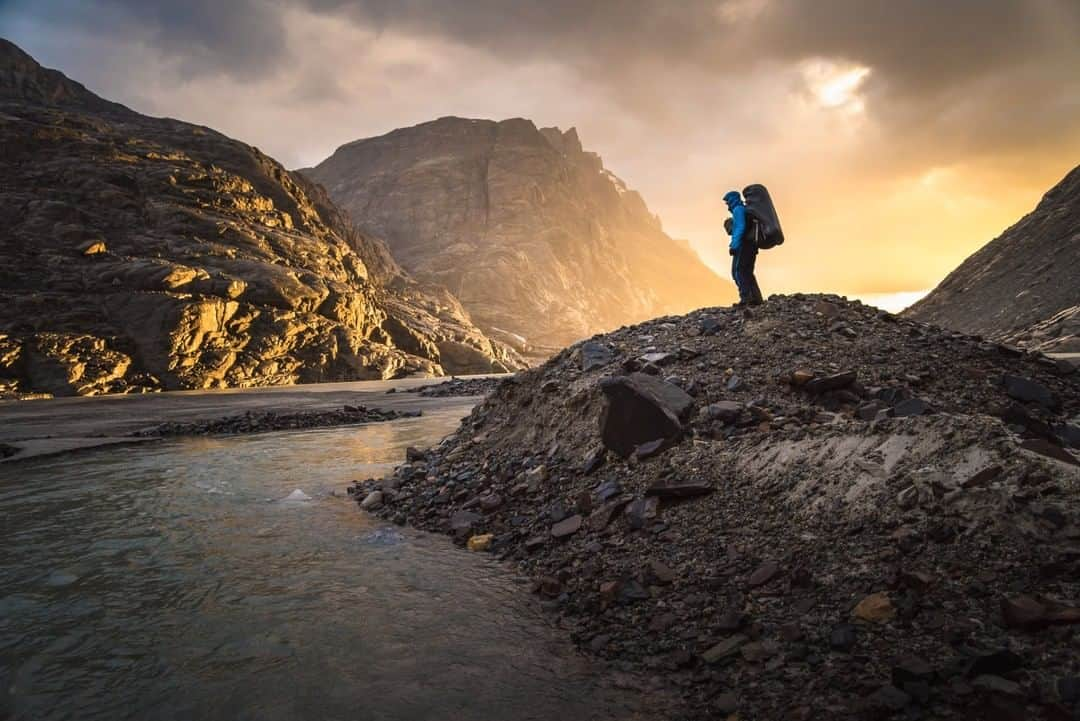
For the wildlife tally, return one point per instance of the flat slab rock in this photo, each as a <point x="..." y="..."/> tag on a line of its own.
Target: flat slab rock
<point x="679" y="489"/>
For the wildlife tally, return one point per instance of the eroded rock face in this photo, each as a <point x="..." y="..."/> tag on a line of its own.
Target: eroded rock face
<point x="142" y="253"/>
<point x="1020" y="287"/>
<point x="541" y="243"/>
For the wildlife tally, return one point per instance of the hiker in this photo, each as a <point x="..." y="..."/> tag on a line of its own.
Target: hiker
<point x="743" y="249"/>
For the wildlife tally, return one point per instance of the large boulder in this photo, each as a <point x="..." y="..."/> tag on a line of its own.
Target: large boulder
<point x="641" y="408"/>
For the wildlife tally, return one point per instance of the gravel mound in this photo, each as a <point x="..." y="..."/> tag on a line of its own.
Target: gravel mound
<point x="812" y="510"/>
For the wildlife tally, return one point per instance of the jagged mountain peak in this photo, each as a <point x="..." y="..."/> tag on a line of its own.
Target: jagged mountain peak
<point x="529" y="229"/>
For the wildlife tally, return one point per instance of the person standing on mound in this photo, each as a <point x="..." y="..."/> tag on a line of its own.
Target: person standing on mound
<point x="743" y="249"/>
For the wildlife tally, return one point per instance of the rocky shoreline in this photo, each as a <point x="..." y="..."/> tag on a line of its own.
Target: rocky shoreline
<point x="263" y="421"/>
<point x="458" y="387"/>
<point x="812" y="510"/>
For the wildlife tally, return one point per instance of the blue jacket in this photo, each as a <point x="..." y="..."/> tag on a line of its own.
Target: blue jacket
<point x="738" y="218"/>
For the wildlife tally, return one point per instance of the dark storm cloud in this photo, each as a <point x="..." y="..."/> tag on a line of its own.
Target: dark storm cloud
<point x="243" y="38"/>
<point x="938" y="67"/>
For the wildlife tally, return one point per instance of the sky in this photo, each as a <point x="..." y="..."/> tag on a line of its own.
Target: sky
<point x="896" y="136"/>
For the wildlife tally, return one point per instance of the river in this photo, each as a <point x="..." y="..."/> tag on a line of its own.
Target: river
<point x="233" y="578"/>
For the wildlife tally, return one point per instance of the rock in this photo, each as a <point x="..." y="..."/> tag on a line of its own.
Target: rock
<point x="982" y="477"/>
<point x="997" y="684"/>
<point x="481" y="542"/>
<point x="724" y="650"/>
<point x="916" y="580"/>
<point x="1028" y="391"/>
<point x="536" y="475"/>
<point x="593" y="460"/>
<point x="566" y="527"/>
<point x="735" y="383"/>
<point x="608" y="489"/>
<point x="1050" y="450"/>
<point x="709" y="325"/>
<point x="801" y="377"/>
<point x="659" y="573"/>
<point x="549" y="586"/>
<point x="372" y="501"/>
<point x="657" y="359"/>
<point x="678" y="489"/>
<point x="491" y="502"/>
<point x="834" y="382"/>
<point x="842" y="637"/>
<point x="535" y="542"/>
<point x="763" y="574"/>
<point x="93" y="247"/>
<point x="650" y="449"/>
<point x="631" y="591"/>
<point x="725" y="703"/>
<point x="911" y="668"/>
<point x="641" y="510"/>
<point x="595" y="355"/>
<point x="602" y="517"/>
<point x="725" y="411"/>
<point x="641" y="409"/>
<point x="995" y="663"/>
<point x="1022" y="612"/>
<point x="869" y="411"/>
<point x="599" y="642"/>
<point x="462" y="521"/>
<point x="759" y="651"/>
<point x="1069" y="434"/>
<point x="609" y="591"/>
<point x="889" y="698"/>
<point x="910" y="407"/>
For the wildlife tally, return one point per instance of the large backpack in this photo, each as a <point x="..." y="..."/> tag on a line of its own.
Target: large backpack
<point x="767" y="232"/>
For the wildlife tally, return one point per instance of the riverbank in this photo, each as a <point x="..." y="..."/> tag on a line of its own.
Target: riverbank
<point x="811" y="510"/>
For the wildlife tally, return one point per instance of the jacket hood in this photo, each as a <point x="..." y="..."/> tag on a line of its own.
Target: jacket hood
<point x="732" y="198"/>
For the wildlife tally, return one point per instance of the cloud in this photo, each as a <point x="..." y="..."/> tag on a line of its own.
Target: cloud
<point x="842" y="106"/>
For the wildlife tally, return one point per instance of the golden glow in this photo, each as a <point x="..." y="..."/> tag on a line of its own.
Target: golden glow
<point x="835" y="85"/>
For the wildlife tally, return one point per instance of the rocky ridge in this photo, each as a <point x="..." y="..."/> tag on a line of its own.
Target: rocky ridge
<point x="141" y="253"/>
<point x="1022" y="286"/>
<point x="812" y="510"/>
<point x="542" y="244"/>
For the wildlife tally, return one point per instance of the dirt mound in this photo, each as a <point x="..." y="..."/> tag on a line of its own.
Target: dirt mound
<point x="814" y="510"/>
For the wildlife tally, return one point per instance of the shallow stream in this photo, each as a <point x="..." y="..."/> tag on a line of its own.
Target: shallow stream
<point x="178" y="580"/>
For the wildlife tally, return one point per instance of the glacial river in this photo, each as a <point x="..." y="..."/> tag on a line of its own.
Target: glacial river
<point x="178" y="580"/>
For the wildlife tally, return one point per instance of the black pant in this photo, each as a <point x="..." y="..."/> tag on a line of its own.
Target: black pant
<point x="742" y="272"/>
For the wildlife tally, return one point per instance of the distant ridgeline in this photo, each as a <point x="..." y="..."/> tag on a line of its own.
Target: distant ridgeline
<point x="542" y="245"/>
<point x="142" y="253"/>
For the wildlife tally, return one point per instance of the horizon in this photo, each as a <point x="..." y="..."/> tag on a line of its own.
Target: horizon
<point x="854" y="125"/>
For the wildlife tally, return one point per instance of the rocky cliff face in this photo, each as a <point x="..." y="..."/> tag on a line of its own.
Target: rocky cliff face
<point x="1022" y="286"/>
<point x="143" y="253"/>
<point x="536" y="238"/>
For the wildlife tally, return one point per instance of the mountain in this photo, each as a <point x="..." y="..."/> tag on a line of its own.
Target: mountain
<point x="142" y="253"/>
<point x="1023" y="286"/>
<point x="541" y="243"/>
